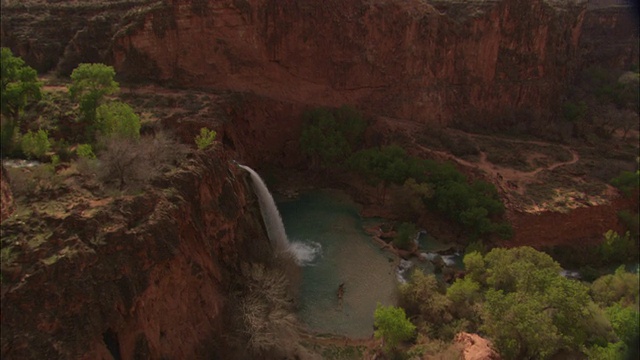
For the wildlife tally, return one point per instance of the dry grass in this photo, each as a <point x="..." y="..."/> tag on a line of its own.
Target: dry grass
<point x="267" y="312"/>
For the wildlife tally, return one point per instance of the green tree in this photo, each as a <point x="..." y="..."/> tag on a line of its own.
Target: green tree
<point x="627" y="181"/>
<point x="387" y="165"/>
<point x="330" y="136"/>
<point x="117" y="119"/>
<point x="624" y="320"/>
<point x="530" y="310"/>
<point x="424" y="299"/>
<point x="205" y="138"/>
<point x="474" y="205"/>
<point x="35" y="144"/>
<point x="574" y="112"/>
<point x="475" y="267"/>
<point x="392" y="326"/>
<point x="465" y="296"/>
<point x="616" y="247"/>
<point x="90" y="83"/>
<point x="620" y="287"/>
<point x="464" y="292"/>
<point x="519" y="268"/>
<point x="19" y="85"/>
<point x="612" y="351"/>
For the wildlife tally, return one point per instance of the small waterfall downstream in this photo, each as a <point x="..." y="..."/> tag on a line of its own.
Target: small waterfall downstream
<point x="270" y="214"/>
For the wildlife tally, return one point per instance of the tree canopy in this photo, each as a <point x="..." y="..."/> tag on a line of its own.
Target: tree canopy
<point x="330" y="136"/>
<point x="19" y="85"/>
<point x="117" y="119"/>
<point x="90" y="83"/>
<point x="529" y="310"/>
<point x="392" y="325"/>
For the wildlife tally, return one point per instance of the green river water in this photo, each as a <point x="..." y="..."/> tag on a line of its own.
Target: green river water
<point x="325" y="225"/>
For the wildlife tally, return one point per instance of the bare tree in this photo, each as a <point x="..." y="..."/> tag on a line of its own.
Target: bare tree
<point x="131" y="162"/>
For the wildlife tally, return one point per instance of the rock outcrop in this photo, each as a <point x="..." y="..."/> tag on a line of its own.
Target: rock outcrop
<point x="584" y="225"/>
<point x="475" y="347"/>
<point x="610" y="35"/>
<point x="7" y="205"/>
<point x="57" y="35"/>
<point x="145" y="276"/>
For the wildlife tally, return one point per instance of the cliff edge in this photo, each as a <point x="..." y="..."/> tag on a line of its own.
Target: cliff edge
<point x="132" y="276"/>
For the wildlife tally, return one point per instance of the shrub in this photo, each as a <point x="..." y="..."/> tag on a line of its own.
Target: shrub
<point x="118" y="119"/>
<point x="631" y="221"/>
<point x="392" y="325"/>
<point x="265" y="311"/>
<point x="128" y="162"/>
<point x="616" y="247"/>
<point x="573" y="112"/>
<point x="627" y="181"/>
<point x="205" y="138"/>
<point x="85" y="151"/>
<point x="31" y="181"/>
<point x="621" y="287"/>
<point x="35" y="144"/>
<point x="62" y="149"/>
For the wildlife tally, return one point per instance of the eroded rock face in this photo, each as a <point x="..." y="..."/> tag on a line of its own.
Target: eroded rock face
<point x="610" y="34"/>
<point x="57" y="35"/>
<point x="145" y="276"/>
<point x="416" y="60"/>
<point x="584" y="225"/>
<point x="7" y="206"/>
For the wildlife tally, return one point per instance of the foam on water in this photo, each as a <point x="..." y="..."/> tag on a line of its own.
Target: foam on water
<point x="306" y="252"/>
<point x="402" y="271"/>
<point x="449" y="260"/>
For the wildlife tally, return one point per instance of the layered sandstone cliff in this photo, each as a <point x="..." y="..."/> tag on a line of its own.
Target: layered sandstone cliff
<point x="610" y="34"/>
<point x="430" y="61"/>
<point x="423" y="60"/>
<point x="145" y="276"/>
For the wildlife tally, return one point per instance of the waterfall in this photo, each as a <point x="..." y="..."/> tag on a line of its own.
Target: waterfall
<point x="270" y="213"/>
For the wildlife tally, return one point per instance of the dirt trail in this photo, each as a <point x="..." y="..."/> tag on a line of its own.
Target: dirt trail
<point x="511" y="182"/>
<point x="512" y="178"/>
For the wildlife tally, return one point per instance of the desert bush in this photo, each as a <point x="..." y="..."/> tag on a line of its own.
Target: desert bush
<point x="205" y="138"/>
<point x="126" y="162"/>
<point x="27" y="182"/>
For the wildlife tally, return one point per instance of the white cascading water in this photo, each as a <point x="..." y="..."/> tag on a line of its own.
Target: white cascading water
<point x="304" y="253"/>
<point x="270" y="214"/>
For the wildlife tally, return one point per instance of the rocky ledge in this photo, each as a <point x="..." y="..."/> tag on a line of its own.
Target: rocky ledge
<point x="130" y="276"/>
